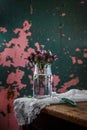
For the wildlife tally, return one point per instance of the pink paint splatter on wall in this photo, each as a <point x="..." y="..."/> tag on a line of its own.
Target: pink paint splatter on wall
<point x="79" y="61"/>
<point x="37" y="45"/>
<point x="7" y="119"/>
<point x="15" y="55"/>
<point x="71" y="75"/>
<point x="72" y="82"/>
<point x="31" y="79"/>
<point x="76" y="59"/>
<point x="73" y="58"/>
<point x="3" y="29"/>
<point x="56" y="81"/>
<point x="85" y="53"/>
<point x="77" y="49"/>
<point x="63" y="14"/>
<point x="15" y="78"/>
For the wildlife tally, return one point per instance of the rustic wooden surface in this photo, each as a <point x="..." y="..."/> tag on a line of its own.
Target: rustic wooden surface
<point x="77" y="115"/>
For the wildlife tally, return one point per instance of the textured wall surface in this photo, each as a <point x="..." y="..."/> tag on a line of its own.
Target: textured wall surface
<point x="26" y="25"/>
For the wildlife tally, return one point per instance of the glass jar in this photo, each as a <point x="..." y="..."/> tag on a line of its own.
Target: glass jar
<point x="42" y="81"/>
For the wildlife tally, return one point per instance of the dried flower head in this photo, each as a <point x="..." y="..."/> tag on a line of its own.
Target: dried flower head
<point x="42" y="57"/>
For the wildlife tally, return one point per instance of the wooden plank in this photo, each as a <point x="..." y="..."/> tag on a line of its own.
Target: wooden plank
<point x="77" y="115"/>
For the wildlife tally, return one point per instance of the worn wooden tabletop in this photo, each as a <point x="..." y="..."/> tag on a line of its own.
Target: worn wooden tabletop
<point x="77" y="115"/>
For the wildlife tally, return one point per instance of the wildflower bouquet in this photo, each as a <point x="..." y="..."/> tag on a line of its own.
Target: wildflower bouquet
<point x="42" y="58"/>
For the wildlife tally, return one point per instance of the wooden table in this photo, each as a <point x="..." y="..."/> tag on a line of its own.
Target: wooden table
<point x="76" y="114"/>
<point x="60" y="116"/>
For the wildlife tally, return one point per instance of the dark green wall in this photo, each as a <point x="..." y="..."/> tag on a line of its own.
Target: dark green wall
<point x="59" y="26"/>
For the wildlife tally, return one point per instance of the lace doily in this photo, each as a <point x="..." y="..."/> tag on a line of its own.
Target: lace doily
<point x="27" y="109"/>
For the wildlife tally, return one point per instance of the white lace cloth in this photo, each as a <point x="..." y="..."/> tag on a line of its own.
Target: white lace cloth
<point x="27" y="109"/>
